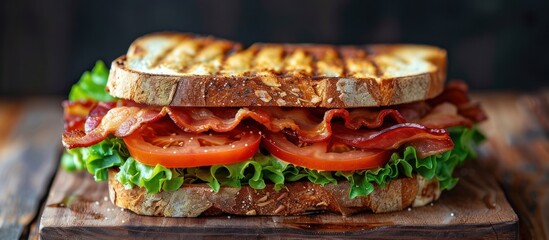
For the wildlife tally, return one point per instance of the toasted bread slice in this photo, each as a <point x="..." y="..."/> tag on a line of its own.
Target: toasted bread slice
<point x="193" y="200"/>
<point x="187" y="70"/>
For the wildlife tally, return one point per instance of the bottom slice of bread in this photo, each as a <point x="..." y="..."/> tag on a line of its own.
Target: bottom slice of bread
<point x="193" y="200"/>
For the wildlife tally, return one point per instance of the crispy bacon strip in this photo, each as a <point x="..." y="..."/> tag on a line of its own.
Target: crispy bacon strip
<point x="388" y="138"/>
<point x="97" y="113"/>
<point x="119" y="121"/>
<point x="121" y="118"/>
<point x="427" y="141"/>
<point x="430" y="146"/>
<point x="275" y="119"/>
<point x="122" y="121"/>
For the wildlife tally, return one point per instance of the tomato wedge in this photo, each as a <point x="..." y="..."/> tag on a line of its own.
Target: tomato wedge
<point x="165" y="144"/>
<point x="317" y="155"/>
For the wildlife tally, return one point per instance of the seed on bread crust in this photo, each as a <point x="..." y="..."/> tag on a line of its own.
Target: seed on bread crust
<point x="263" y="95"/>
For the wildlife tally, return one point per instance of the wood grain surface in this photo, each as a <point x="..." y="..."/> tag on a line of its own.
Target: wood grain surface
<point x="477" y="208"/>
<point x="29" y="150"/>
<point x="518" y="153"/>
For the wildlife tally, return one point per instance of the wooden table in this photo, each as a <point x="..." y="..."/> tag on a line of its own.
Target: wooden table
<point x="29" y="156"/>
<point x="517" y="153"/>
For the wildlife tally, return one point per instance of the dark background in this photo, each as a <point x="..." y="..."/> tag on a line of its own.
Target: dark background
<point x="46" y="45"/>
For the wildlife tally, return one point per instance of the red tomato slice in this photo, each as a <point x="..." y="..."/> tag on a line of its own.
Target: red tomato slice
<point x="165" y="144"/>
<point x="318" y="156"/>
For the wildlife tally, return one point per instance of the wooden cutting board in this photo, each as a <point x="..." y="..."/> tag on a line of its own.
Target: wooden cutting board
<point x="78" y="207"/>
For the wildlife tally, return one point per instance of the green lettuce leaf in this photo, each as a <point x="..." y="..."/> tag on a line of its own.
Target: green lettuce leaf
<point x="112" y="152"/>
<point x="132" y="173"/>
<point x="97" y="158"/>
<point x="260" y="169"/>
<point x="91" y="85"/>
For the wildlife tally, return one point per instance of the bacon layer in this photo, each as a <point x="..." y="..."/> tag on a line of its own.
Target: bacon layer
<point x="124" y="120"/>
<point x="427" y="141"/>
<point x="307" y="127"/>
<point x="452" y="108"/>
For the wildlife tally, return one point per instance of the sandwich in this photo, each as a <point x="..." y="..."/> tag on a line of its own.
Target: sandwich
<point x="186" y="126"/>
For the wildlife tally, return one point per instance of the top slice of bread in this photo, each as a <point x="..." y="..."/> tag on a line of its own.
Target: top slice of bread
<point x="187" y="70"/>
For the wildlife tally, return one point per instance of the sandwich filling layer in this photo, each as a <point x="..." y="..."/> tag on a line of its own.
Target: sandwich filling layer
<point x="160" y="148"/>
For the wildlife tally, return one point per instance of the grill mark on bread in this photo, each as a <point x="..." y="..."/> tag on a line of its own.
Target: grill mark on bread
<point x="370" y="55"/>
<point x="239" y="63"/>
<point x="195" y="61"/>
<point x="206" y="55"/>
<point x="330" y="64"/>
<point x="360" y="65"/>
<point x="298" y="63"/>
<point x="160" y="58"/>
<point x="195" y="47"/>
<point x="313" y="64"/>
<point x="230" y="52"/>
<point x="345" y="71"/>
<point x="268" y="60"/>
<point x="377" y="70"/>
<point x="285" y="53"/>
<point x="187" y="53"/>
